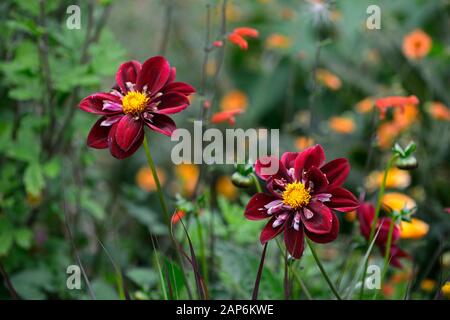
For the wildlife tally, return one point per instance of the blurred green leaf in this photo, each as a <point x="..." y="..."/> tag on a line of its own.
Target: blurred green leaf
<point x="34" y="179"/>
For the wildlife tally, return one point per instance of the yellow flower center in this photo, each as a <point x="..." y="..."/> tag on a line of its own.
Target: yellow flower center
<point x="134" y="102"/>
<point x="295" y="195"/>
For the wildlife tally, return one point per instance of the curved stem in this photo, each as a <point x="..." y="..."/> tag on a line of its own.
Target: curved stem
<point x="388" y="248"/>
<point x="322" y="269"/>
<point x="256" y="183"/>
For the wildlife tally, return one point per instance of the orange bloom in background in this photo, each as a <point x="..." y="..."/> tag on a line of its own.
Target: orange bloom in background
<point x="439" y="111"/>
<point x="396" y="179"/>
<point x="328" y="79"/>
<point x="365" y="105"/>
<point x="416" y="229"/>
<point x="145" y="181"/>
<point x="405" y="117"/>
<point x="188" y="174"/>
<point x="226" y="116"/>
<point x="394" y="101"/>
<point x="342" y="125"/>
<point x="398" y="201"/>
<point x="428" y="285"/>
<point x="350" y="216"/>
<point x="226" y="188"/>
<point x="235" y="99"/>
<point x="177" y="216"/>
<point x="388" y="289"/>
<point x="400" y="277"/>
<point x="237" y="36"/>
<point x="416" y="44"/>
<point x="278" y="41"/>
<point x="303" y="142"/>
<point x="446" y="290"/>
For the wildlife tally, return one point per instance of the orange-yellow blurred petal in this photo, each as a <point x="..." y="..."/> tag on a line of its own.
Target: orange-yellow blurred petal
<point x="396" y="179"/>
<point x="416" y="229"/>
<point x="188" y="175"/>
<point x="226" y="188"/>
<point x="398" y="201"/>
<point x="416" y="44"/>
<point x="439" y="111"/>
<point x="145" y="181"/>
<point x="328" y="79"/>
<point x="235" y="99"/>
<point x="343" y="125"/>
<point x="278" y="41"/>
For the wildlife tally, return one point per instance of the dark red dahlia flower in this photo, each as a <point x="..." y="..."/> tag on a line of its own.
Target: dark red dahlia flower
<point x="302" y="194"/>
<point x="143" y="96"/>
<point x="366" y="214"/>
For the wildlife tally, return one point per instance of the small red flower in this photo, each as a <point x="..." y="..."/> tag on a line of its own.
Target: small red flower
<point x="143" y="96"/>
<point x="228" y="115"/>
<point x="396" y="101"/>
<point x="302" y="196"/>
<point x="238" y="34"/>
<point x="177" y="216"/>
<point x="366" y="214"/>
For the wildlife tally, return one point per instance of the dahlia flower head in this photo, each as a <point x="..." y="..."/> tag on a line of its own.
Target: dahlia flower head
<point x="144" y="95"/>
<point x="302" y="195"/>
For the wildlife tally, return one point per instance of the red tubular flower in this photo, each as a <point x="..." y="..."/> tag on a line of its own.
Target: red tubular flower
<point x="143" y="96"/>
<point x="238" y="34"/>
<point x="228" y="115"/>
<point x="366" y="214"/>
<point x="396" y="101"/>
<point x="302" y="196"/>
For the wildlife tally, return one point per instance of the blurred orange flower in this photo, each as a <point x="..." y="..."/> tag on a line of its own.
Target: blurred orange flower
<point x="145" y="181"/>
<point x="238" y="34"/>
<point x="439" y="111"/>
<point x="416" y="229"/>
<point x="365" y="105"/>
<point x="177" y="216"/>
<point x="405" y="117"/>
<point x="350" y="216"/>
<point x="226" y="188"/>
<point x="343" y="125"/>
<point x="226" y="116"/>
<point x="303" y="142"/>
<point x="416" y="44"/>
<point x="278" y="41"/>
<point x="398" y="201"/>
<point x="428" y="285"/>
<point x="235" y="99"/>
<point x="396" y="179"/>
<point x="446" y="290"/>
<point x="393" y="102"/>
<point x="328" y="79"/>
<point x="188" y="175"/>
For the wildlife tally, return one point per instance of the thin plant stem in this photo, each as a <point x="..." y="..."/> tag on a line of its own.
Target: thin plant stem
<point x="202" y="247"/>
<point x="256" y="182"/>
<point x="322" y="269"/>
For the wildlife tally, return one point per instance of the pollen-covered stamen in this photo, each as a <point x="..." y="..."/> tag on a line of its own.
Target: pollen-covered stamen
<point x="134" y="102"/>
<point x="295" y="195"/>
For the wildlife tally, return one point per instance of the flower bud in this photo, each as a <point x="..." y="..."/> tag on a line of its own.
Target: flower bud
<point x="241" y="181"/>
<point x="408" y="163"/>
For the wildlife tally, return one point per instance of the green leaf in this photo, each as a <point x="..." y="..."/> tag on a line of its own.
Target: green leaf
<point x="52" y="168"/>
<point x="34" y="179"/>
<point x="23" y="237"/>
<point x="6" y="236"/>
<point x="143" y="277"/>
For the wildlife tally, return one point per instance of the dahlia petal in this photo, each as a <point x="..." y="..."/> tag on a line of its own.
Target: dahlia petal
<point x="288" y="159"/>
<point x="317" y="180"/>
<point x="172" y="102"/>
<point x="255" y="209"/>
<point x="172" y="76"/>
<point x="154" y="74"/>
<point x="109" y="121"/>
<point x="336" y="171"/>
<point x="179" y="87"/>
<point x="321" y="220"/>
<point x="294" y="240"/>
<point x="127" y="72"/>
<point x="342" y="200"/>
<point x="115" y="149"/>
<point x="270" y="167"/>
<point x="312" y="156"/>
<point x="128" y="130"/>
<point x="160" y="123"/>
<point x="112" y="106"/>
<point x="326" y="237"/>
<point x="94" y="103"/>
<point x="98" y="136"/>
<point x="366" y="213"/>
<point x="269" y="232"/>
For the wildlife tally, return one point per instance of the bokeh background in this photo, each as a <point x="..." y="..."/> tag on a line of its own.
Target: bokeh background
<point x="313" y="72"/>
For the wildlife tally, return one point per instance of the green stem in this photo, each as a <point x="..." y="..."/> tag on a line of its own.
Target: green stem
<point x="377" y="214"/>
<point x="322" y="269"/>
<point x="256" y="182"/>
<point x="202" y="246"/>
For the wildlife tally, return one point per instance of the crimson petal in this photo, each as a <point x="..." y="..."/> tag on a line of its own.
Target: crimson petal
<point x="294" y="240"/>
<point x="128" y="130"/>
<point x="154" y="74"/>
<point x="336" y="171"/>
<point x="342" y="200"/>
<point x="321" y="220"/>
<point x="312" y="156"/>
<point x="318" y="179"/>
<point x="94" y="103"/>
<point x="160" y="123"/>
<point x="172" y="102"/>
<point x="255" y="209"/>
<point x="326" y="237"/>
<point x="270" y="232"/>
<point x="288" y="159"/>
<point x="114" y="148"/>
<point x="270" y="167"/>
<point x="98" y="136"/>
<point x="179" y="87"/>
<point x="127" y="72"/>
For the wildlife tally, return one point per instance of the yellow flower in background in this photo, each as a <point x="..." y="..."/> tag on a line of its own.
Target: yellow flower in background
<point x="278" y="41"/>
<point x="235" y="99"/>
<point x="398" y="201"/>
<point x="365" y="105"/>
<point x="350" y="216"/>
<point x="188" y="175"/>
<point x="439" y="111"/>
<point x="416" y="229"/>
<point x="428" y="285"/>
<point x="226" y="188"/>
<point x="343" y="125"/>
<point x="303" y="142"/>
<point x="386" y="134"/>
<point x="328" y="79"/>
<point x="145" y="181"/>
<point x="211" y="66"/>
<point x="416" y="44"/>
<point x="446" y="290"/>
<point x="396" y="179"/>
